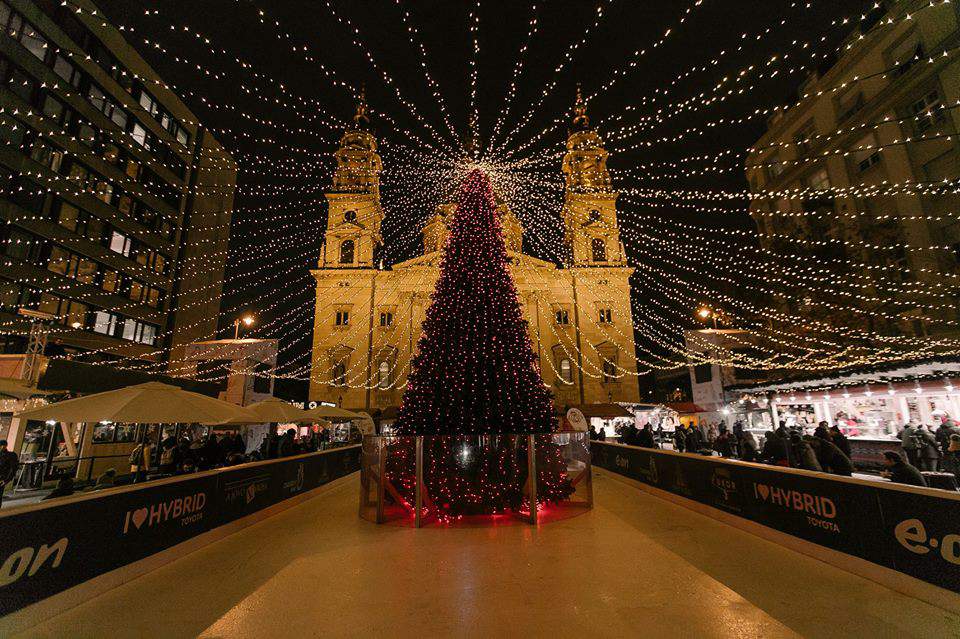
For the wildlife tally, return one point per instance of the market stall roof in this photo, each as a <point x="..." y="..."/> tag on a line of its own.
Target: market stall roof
<point x="894" y="372"/>
<point x="11" y="388"/>
<point x="603" y="411"/>
<point x="275" y="409"/>
<point x="150" y="403"/>
<point x="331" y="414"/>
<point x="686" y="408"/>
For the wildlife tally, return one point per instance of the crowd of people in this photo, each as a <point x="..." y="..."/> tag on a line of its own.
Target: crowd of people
<point x="183" y="456"/>
<point x="826" y="450"/>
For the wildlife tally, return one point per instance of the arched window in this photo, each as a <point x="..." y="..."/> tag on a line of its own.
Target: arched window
<point x="350" y="216"/>
<point x="346" y="252"/>
<point x="340" y="374"/>
<point x="599" y="250"/>
<point x="594" y="215"/>
<point x="383" y="375"/>
<point x="566" y="371"/>
<point x="609" y="372"/>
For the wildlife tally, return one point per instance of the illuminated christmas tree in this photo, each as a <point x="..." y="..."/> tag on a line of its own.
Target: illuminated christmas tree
<point x="475" y="378"/>
<point x="475" y="371"/>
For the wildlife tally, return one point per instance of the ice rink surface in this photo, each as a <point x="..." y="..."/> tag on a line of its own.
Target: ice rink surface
<point x="634" y="566"/>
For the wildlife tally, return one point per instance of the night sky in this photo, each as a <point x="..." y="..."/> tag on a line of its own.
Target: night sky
<point x="444" y="30"/>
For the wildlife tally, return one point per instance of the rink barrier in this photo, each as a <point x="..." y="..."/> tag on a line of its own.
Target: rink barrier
<point x="910" y="530"/>
<point x="47" y="548"/>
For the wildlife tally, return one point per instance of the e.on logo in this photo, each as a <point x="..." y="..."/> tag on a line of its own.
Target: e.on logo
<point x="912" y="535"/>
<point x="17" y="564"/>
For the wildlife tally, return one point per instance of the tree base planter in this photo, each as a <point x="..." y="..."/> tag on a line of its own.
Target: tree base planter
<point x="422" y="480"/>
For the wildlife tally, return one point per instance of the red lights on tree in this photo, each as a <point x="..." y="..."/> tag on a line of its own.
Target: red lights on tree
<point x="475" y="379"/>
<point x="475" y="371"/>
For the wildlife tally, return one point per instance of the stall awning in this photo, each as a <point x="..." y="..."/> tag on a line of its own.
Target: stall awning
<point x="686" y="408"/>
<point x="604" y="411"/>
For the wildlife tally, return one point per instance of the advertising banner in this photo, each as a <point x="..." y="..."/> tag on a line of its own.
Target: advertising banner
<point x="912" y="533"/>
<point x="48" y="550"/>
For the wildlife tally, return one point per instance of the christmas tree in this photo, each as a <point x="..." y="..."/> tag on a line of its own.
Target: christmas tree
<point x="475" y="371"/>
<point x="474" y="379"/>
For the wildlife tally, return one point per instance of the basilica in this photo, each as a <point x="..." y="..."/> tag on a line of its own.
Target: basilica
<point x="367" y="319"/>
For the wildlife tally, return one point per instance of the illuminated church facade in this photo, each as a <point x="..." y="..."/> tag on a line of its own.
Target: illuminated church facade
<point x="368" y="320"/>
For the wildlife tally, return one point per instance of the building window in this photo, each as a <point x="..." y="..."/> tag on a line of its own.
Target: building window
<point x="599" y="250"/>
<point x="120" y="243"/>
<point x="609" y="372"/>
<point x="383" y="375"/>
<point x="606" y="316"/>
<point x="339" y="374"/>
<point x="865" y="153"/>
<point x="594" y="215"/>
<point x="927" y="111"/>
<point x="346" y="252"/>
<point x="563" y="317"/>
<point x="105" y="323"/>
<point x="386" y="319"/>
<point x="350" y="216"/>
<point x="703" y="373"/>
<point x="819" y="181"/>
<point x="343" y="318"/>
<point x="566" y="371"/>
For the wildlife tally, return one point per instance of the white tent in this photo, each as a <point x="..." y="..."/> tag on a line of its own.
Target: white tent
<point x="150" y="403"/>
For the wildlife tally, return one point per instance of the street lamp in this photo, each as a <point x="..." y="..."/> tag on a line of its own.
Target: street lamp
<point x="705" y="313"/>
<point x="247" y="321"/>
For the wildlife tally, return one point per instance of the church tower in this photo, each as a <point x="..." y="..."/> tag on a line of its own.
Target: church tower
<point x="352" y="238"/>
<point x="591" y="234"/>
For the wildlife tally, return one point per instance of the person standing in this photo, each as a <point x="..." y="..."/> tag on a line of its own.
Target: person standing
<point x="802" y="454"/>
<point x="951" y="458"/>
<point x="140" y="461"/>
<point x="910" y="442"/>
<point x="840" y="441"/>
<point x="947" y="428"/>
<point x="748" y="446"/>
<point x="9" y="461"/>
<point x="929" y="451"/>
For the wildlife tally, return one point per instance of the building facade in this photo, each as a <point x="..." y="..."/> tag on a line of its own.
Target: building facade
<point x="117" y="202"/>
<point x="865" y="148"/>
<point x="368" y="320"/>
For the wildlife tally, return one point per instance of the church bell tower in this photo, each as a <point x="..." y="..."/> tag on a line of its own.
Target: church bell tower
<point x="352" y="238"/>
<point x="591" y="233"/>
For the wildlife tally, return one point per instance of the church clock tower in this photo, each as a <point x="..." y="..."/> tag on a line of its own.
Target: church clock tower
<point x="591" y="234"/>
<point x="352" y="238"/>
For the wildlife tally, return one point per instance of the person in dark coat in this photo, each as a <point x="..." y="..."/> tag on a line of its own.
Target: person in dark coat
<point x="929" y="449"/>
<point x="645" y="437"/>
<point x="9" y="461"/>
<point x="951" y="459"/>
<point x="679" y="439"/>
<point x="802" y="454"/>
<point x="748" y="446"/>
<point x="947" y="428"/>
<point x="840" y="441"/>
<point x="724" y="443"/>
<point x="899" y="471"/>
<point x="831" y="458"/>
<point x="776" y="449"/>
<point x="694" y="440"/>
<point x="822" y="431"/>
<point x="286" y="446"/>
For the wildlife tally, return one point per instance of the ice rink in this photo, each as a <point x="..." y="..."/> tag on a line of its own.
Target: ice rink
<point x="634" y="566"/>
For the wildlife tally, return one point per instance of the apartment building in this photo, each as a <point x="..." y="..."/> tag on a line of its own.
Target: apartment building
<point x="116" y="201"/>
<point x="853" y="177"/>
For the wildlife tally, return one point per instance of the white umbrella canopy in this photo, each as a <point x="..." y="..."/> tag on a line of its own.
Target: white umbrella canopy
<point x="150" y="403"/>
<point x="331" y="413"/>
<point x="275" y="409"/>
